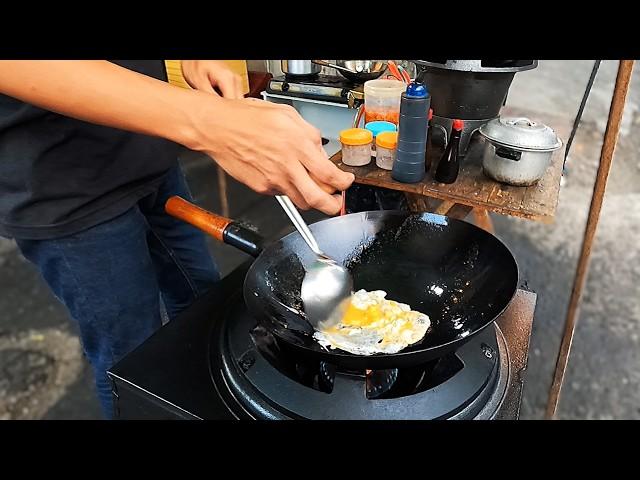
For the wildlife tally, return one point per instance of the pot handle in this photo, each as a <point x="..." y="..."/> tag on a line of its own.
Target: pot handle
<point x="444" y="131"/>
<point x="520" y="120"/>
<point x="221" y="228"/>
<point x="508" y="153"/>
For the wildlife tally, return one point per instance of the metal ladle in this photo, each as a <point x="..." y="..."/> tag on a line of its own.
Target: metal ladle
<point x="326" y="284"/>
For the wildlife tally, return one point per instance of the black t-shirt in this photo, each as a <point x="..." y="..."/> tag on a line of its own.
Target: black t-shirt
<point x="59" y="175"/>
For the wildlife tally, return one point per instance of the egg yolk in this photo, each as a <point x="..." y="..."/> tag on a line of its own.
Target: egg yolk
<point x="356" y="317"/>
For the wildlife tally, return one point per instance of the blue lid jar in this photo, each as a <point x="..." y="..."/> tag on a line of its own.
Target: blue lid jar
<point x="380" y="126"/>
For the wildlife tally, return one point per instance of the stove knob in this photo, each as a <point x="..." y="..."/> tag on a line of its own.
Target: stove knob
<point x="285" y="87"/>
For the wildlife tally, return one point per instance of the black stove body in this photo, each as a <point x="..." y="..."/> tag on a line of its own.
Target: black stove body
<point x="213" y="362"/>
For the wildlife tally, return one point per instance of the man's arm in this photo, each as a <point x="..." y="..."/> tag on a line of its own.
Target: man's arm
<point x="268" y="147"/>
<point x="104" y="93"/>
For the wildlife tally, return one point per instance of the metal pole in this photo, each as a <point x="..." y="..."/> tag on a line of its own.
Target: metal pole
<point x="611" y="134"/>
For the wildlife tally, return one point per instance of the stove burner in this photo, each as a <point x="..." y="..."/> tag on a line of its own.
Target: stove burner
<point x="267" y="379"/>
<point x="391" y="383"/>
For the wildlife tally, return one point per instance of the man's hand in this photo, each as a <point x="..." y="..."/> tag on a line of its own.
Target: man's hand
<point x="207" y="75"/>
<point x="270" y="147"/>
<point x="272" y="150"/>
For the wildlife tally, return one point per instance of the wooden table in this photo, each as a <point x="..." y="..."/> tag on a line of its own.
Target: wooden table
<point x="473" y="190"/>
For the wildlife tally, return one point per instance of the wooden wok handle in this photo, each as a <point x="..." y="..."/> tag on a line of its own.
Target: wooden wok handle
<point x="208" y="222"/>
<point x="221" y="228"/>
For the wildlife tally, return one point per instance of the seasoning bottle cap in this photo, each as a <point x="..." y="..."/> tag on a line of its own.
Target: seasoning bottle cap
<point x="457" y="125"/>
<point x="379" y="126"/>
<point x="356" y="136"/>
<point x="416" y="90"/>
<point x="387" y="140"/>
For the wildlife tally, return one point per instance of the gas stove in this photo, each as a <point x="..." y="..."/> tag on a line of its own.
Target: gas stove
<point x="214" y="362"/>
<point x="329" y="88"/>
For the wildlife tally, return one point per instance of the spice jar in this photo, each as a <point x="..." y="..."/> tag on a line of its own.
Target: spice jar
<point x="356" y="146"/>
<point x="386" y="144"/>
<point x="376" y="128"/>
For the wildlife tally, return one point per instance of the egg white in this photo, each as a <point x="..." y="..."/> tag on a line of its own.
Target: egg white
<point x="395" y="328"/>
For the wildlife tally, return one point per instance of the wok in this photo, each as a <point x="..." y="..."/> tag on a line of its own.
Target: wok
<point x="460" y="275"/>
<point x="357" y="71"/>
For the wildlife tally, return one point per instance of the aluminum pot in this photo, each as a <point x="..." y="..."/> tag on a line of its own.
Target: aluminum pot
<point x="518" y="150"/>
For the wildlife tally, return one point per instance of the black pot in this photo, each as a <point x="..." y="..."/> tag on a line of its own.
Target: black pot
<point x="470" y="89"/>
<point x="467" y="95"/>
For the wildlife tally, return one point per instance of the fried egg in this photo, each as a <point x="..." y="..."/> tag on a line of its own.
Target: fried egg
<point x="372" y="324"/>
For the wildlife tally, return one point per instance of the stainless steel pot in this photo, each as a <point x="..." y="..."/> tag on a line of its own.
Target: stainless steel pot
<point x="302" y="68"/>
<point x="518" y="150"/>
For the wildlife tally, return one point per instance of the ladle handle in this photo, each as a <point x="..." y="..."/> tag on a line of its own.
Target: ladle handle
<point x="297" y="220"/>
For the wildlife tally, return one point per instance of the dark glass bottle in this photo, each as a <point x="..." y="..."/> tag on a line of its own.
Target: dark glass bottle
<point x="427" y="158"/>
<point x="449" y="165"/>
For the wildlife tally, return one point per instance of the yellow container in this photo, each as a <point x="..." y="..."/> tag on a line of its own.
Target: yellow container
<point x="174" y="72"/>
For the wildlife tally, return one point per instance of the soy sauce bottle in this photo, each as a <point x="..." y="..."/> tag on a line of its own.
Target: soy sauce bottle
<point x="427" y="159"/>
<point x="449" y="165"/>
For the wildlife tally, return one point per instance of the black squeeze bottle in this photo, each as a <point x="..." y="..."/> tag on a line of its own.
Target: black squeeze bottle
<point x="409" y="166"/>
<point x="449" y="165"/>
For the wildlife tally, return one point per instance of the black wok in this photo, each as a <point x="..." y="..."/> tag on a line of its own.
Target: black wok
<point x="458" y="274"/>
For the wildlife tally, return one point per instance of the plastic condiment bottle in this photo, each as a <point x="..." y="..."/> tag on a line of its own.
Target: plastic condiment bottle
<point x="409" y="166"/>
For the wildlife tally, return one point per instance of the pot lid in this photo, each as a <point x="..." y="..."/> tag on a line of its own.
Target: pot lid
<point x="521" y="133"/>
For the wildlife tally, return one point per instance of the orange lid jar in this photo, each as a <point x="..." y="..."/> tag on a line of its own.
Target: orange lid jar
<point x="386" y="147"/>
<point x="356" y="146"/>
